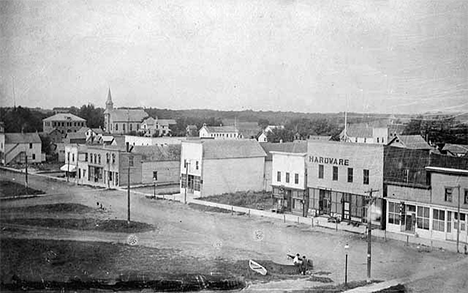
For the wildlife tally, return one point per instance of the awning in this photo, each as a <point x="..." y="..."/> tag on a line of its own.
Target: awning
<point x="69" y="168"/>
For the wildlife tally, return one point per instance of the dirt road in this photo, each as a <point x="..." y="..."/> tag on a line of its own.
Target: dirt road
<point x="234" y="237"/>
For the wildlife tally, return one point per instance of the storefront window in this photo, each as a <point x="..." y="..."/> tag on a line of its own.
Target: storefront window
<point x="394" y="213"/>
<point x="438" y="220"/>
<point x="422" y="218"/>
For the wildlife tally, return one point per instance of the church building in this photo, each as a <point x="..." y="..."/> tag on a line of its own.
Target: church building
<point x="121" y="121"/>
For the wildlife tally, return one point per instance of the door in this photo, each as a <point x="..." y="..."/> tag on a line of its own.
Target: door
<point x="325" y="201"/>
<point x="410" y="219"/>
<point x="449" y="234"/>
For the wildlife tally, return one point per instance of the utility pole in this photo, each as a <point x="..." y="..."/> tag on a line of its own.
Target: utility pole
<point x="369" y="233"/>
<point x="187" y="164"/>
<point x="458" y="218"/>
<point x="130" y="163"/>
<point x="26" y="175"/>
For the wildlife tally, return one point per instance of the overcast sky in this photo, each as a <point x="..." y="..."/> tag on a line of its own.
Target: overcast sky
<point x="387" y="56"/>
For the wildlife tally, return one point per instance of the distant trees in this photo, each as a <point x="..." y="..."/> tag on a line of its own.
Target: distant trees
<point x="94" y="116"/>
<point x="438" y="130"/>
<point x="302" y="128"/>
<point x="19" y="119"/>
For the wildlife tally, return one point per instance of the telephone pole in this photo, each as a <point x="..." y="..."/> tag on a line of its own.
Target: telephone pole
<point x="369" y="233"/>
<point x="130" y="164"/>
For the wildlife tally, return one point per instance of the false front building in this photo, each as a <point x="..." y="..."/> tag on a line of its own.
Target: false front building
<point x="210" y="167"/>
<point x="340" y="177"/>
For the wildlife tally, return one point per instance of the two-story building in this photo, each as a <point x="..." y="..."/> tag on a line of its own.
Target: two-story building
<point x="423" y="193"/>
<point x="156" y="127"/>
<point x="211" y="167"/>
<point x="63" y="122"/>
<point x="22" y="147"/>
<point x="340" y="178"/>
<point x="289" y="182"/>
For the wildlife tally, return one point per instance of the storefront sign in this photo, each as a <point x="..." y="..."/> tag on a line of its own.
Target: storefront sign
<point x="328" y="160"/>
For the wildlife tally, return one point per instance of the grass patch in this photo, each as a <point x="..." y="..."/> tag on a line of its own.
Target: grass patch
<point x="12" y="189"/>
<point x="254" y="200"/>
<point x="204" y="208"/>
<point x="85" y="224"/>
<point x="51" y="208"/>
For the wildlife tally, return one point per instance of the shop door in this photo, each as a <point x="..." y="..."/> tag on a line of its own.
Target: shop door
<point x="324" y="201"/>
<point x="410" y="220"/>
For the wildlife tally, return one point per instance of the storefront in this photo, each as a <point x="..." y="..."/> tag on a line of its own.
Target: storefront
<point x="341" y="178"/>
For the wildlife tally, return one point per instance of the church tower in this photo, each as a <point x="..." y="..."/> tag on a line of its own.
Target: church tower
<point x="107" y="113"/>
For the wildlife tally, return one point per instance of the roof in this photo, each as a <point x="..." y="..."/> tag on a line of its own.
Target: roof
<point x="359" y="130"/>
<point x="221" y="129"/>
<point x="415" y="142"/>
<point x="167" y="121"/>
<point x="22" y="138"/>
<point x="63" y="117"/>
<point x="228" y="149"/>
<point x="158" y="153"/>
<point x="320" y="137"/>
<point x="286" y="147"/>
<point x="74" y="135"/>
<point x="128" y="115"/>
<point x="457" y="149"/>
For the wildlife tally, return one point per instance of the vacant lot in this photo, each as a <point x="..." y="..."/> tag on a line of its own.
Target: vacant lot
<point x="253" y="200"/>
<point x="12" y="189"/>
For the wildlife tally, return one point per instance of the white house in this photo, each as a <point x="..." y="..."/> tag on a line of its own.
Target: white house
<point x="289" y="181"/>
<point x="20" y="147"/>
<point x="219" y="132"/>
<point x="211" y="167"/>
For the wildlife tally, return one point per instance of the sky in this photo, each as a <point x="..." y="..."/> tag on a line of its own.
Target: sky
<point x="380" y="56"/>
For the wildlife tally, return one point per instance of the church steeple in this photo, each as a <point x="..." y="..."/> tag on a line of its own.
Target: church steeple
<point x="109" y="103"/>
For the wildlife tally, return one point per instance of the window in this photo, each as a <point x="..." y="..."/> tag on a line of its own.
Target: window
<point x="155" y="175"/>
<point x="131" y="127"/>
<point x="394" y="213"/>
<point x="438" y="221"/>
<point x="113" y="158"/>
<point x="196" y="183"/>
<point x="73" y="157"/>
<point x="448" y="194"/>
<point x="123" y="127"/>
<point x="30" y="145"/>
<point x="422" y="218"/>
<point x="138" y="126"/>
<point x="196" y="165"/>
<point x="335" y="173"/>
<point x="320" y="172"/>
<point x="365" y="177"/>
<point x="278" y="176"/>
<point x="350" y="174"/>
<point x="296" y="178"/>
<point x="462" y="221"/>
<point x="287" y="177"/>
<point x="33" y="156"/>
<point x="466" y="197"/>
<point x="377" y="140"/>
<point x="116" y="126"/>
<point x="68" y="156"/>
<point x="107" y="157"/>
<point x="95" y="159"/>
<point x="99" y="158"/>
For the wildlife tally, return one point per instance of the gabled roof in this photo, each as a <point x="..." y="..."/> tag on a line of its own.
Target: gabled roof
<point x="415" y="142"/>
<point x="63" y="117"/>
<point x="166" y="121"/>
<point x="158" y="153"/>
<point x="456" y="149"/>
<point x="22" y="138"/>
<point x="221" y="129"/>
<point x="132" y="115"/>
<point x="75" y="135"/>
<point x="299" y="146"/>
<point x="229" y="149"/>
<point x="359" y="130"/>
